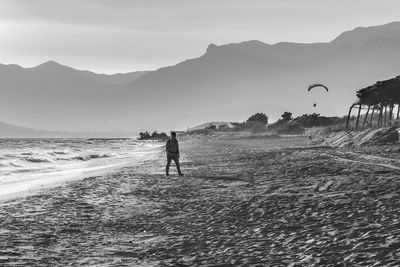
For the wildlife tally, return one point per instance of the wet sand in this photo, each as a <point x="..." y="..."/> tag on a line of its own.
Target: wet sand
<point x="242" y="202"/>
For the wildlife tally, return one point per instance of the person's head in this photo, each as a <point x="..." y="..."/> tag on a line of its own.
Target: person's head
<point x="173" y="135"/>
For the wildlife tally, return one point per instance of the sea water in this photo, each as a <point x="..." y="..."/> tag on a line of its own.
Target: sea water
<point x="26" y="163"/>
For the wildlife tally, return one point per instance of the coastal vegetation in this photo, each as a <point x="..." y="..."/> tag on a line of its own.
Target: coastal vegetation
<point x="380" y="99"/>
<point x="154" y="136"/>
<point x="258" y="124"/>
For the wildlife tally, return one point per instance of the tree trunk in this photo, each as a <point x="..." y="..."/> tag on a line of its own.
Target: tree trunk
<point x="366" y="116"/>
<point x="391" y="113"/>
<point x="398" y="110"/>
<point x="380" y="116"/>
<point x="372" y="116"/>
<point x="348" y="117"/>
<point x="358" y="116"/>
<point x="384" y="124"/>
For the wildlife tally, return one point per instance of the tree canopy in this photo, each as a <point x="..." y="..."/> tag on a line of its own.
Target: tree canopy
<point x="381" y="93"/>
<point x="258" y="117"/>
<point x="154" y="136"/>
<point x="287" y="116"/>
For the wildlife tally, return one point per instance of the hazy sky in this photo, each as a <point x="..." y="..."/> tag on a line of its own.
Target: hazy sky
<point x="125" y="35"/>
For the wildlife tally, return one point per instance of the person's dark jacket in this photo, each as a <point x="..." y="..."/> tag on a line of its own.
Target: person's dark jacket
<point x="172" y="147"/>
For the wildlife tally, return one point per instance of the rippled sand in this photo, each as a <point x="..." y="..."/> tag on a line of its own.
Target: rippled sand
<point x="242" y="201"/>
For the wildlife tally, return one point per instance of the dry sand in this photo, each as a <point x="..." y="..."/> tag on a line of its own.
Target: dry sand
<point x="242" y="202"/>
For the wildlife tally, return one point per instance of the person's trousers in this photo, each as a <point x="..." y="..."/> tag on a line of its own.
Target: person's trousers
<point x="176" y="160"/>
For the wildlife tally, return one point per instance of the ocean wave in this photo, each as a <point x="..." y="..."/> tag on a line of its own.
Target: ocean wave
<point x="25" y="160"/>
<point x="13" y="164"/>
<point x="28" y="153"/>
<point x="24" y="171"/>
<point x="58" y="152"/>
<point x="93" y="156"/>
<point x="10" y="164"/>
<point x="62" y="152"/>
<point x="38" y="159"/>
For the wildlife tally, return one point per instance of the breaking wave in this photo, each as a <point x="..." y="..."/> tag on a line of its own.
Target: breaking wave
<point x="38" y="159"/>
<point x="25" y="159"/>
<point x="93" y="156"/>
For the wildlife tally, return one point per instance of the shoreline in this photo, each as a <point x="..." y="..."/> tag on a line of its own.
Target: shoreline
<point x="49" y="180"/>
<point x="28" y="188"/>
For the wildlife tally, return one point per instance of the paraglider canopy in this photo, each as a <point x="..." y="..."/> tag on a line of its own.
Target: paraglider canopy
<point x="317" y="85"/>
<point x="317" y="94"/>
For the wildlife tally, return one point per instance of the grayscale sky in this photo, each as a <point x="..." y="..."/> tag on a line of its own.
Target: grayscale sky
<point x="125" y="35"/>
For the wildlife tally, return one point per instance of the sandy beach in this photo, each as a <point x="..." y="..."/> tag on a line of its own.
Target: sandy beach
<point x="243" y="201"/>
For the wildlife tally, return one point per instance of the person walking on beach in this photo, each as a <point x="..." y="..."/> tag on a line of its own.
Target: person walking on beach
<point x="172" y="148"/>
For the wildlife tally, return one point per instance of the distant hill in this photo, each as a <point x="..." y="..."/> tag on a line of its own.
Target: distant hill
<point x="12" y="131"/>
<point x="205" y="125"/>
<point x="52" y="96"/>
<point x="229" y="83"/>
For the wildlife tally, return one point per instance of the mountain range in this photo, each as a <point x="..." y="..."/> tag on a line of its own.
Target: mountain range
<point x="227" y="83"/>
<point x="12" y="131"/>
